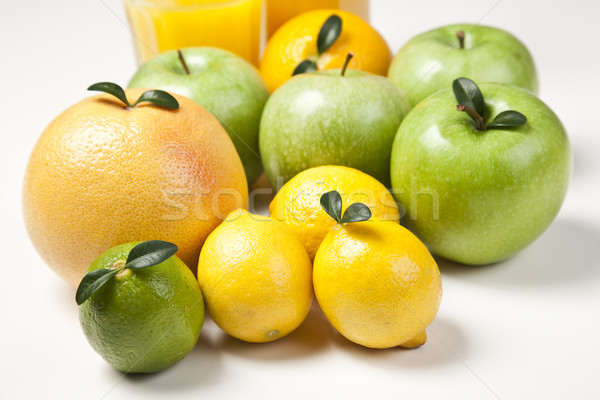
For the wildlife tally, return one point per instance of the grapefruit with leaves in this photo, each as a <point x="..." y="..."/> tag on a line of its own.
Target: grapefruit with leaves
<point x="107" y="171"/>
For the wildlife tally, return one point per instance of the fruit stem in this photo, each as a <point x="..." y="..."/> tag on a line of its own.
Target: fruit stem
<point x="123" y="273"/>
<point x="461" y="39"/>
<point x="348" y="58"/>
<point x="474" y="114"/>
<point x="185" y="67"/>
<point x="119" y="264"/>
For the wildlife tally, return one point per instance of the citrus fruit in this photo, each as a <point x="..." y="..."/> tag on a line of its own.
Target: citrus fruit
<point x="296" y="41"/>
<point x="278" y="12"/>
<point x="143" y="320"/>
<point x="103" y="174"/>
<point x="377" y="283"/>
<point x="223" y="83"/>
<point x="297" y="202"/>
<point x="256" y="278"/>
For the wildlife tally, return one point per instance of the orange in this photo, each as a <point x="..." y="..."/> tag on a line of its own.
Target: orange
<point x="296" y="41"/>
<point x="102" y="174"/>
<point x="377" y="284"/>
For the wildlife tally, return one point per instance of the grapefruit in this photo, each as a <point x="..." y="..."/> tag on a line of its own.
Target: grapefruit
<point x="103" y="174"/>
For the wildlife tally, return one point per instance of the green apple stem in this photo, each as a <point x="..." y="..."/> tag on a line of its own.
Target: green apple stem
<point x="348" y="58"/>
<point x="474" y="114"/>
<point x="461" y="39"/>
<point x="183" y="63"/>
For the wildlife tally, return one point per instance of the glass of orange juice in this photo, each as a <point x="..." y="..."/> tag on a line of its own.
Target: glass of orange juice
<point x="161" y="25"/>
<point x="279" y="11"/>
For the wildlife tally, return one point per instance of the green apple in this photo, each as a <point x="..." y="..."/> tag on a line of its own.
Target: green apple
<point x="331" y="118"/>
<point x="432" y="60"/>
<point x="226" y="85"/>
<point x="477" y="191"/>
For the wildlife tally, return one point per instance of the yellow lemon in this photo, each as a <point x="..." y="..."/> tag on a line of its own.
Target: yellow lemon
<point x="256" y="278"/>
<point x="297" y="202"/>
<point x="377" y="284"/>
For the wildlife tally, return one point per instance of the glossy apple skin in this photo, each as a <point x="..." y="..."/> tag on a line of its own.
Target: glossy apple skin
<point x="327" y="119"/>
<point x="226" y="85"/>
<point x="480" y="197"/>
<point x="432" y="60"/>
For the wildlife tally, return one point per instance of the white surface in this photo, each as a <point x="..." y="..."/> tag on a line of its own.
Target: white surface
<point x="523" y="329"/>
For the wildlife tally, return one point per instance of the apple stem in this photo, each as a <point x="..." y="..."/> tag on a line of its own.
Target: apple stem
<point x="185" y="67"/>
<point x="474" y="114"/>
<point x="348" y="58"/>
<point x="461" y="39"/>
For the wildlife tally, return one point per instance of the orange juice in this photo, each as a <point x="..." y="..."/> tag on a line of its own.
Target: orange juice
<point x="279" y="11"/>
<point x="161" y="25"/>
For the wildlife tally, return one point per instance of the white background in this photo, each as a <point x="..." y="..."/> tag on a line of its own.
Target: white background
<point x="527" y="328"/>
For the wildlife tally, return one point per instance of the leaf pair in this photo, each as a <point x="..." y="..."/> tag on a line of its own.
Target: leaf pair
<point x="329" y="33"/>
<point x="332" y="204"/>
<point x="157" y="97"/>
<point x="143" y="255"/>
<point x="470" y="99"/>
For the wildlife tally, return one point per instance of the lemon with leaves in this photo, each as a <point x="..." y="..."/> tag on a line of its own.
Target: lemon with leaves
<point x="297" y="202"/>
<point x="256" y="278"/>
<point x="140" y="306"/>
<point x="375" y="281"/>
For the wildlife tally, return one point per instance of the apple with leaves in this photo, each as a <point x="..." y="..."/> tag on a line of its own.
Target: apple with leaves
<point x="482" y="179"/>
<point x="432" y="60"/>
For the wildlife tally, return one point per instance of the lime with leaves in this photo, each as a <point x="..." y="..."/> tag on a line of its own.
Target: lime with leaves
<point x="140" y="307"/>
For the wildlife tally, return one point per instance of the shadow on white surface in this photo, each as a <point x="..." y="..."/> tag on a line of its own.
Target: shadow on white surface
<point x="309" y="339"/>
<point x="565" y="254"/>
<point x="584" y="159"/>
<point x="445" y="345"/>
<point x="185" y="374"/>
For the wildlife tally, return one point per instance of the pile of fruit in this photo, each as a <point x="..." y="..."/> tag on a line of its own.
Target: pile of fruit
<point x="138" y="197"/>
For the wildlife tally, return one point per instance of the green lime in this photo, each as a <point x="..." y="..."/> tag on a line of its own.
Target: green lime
<point x="143" y="320"/>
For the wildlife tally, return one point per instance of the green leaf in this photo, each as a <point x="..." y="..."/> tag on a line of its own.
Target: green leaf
<point x="305" y="67"/>
<point x="147" y="254"/>
<point x="91" y="282"/>
<point x="329" y="33"/>
<point x="111" y="88"/>
<point x="468" y="94"/>
<point x="332" y="204"/>
<point x="507" y="119"/>
<point x="158" y="97"/>
<point x="356" y="212"/>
